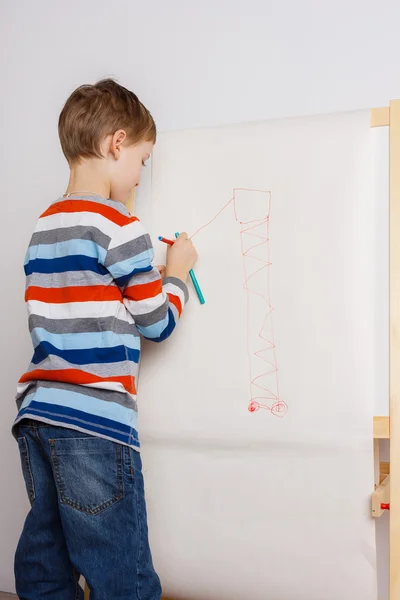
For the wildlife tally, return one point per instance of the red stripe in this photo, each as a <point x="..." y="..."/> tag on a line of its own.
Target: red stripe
<point x="143" y="291"/>
<point x="96" y="293"/>
<point x="77" y="376"/>
<point x="76" y="206"/>
<point x="176" y="301"/>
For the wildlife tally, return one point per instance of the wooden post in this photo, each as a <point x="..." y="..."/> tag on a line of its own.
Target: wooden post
<point x="381" y="428"/>
<point x="377" y="463"/>
<point x="380" y="116"/>
<point x="381" y="496"/>
<point x="394" y="341"/>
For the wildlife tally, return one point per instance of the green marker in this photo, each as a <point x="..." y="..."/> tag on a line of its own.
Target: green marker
<point x="195" y="282"/>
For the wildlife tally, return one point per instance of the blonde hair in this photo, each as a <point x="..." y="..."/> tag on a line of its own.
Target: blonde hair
<point x="95" y="111"/>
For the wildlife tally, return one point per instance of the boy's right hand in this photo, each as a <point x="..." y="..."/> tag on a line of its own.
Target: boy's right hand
<point x="181" y="257"/>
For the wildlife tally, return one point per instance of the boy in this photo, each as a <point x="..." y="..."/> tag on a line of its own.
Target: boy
<point x="91" y="293"/>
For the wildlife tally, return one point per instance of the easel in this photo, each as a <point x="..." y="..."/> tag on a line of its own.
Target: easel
<point x="387" y="478"/>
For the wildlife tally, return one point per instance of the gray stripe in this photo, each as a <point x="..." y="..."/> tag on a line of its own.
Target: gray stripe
<point x="128" y="250"/>
<point x="77" y="232"/>
<point x="72" y="278"/>
<point x="122" y="398"/>
<point x="180" y="284"/>
<point x="148" y="277"/>
<point x="153" y="317"/>
<point x="115" y="369"/>
<point x="83" y="325"/>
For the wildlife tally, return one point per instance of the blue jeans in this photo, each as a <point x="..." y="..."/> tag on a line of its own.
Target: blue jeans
<point x="87" y="517"/>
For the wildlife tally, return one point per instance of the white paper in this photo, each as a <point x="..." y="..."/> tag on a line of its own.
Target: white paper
<point x="275" y="502"/>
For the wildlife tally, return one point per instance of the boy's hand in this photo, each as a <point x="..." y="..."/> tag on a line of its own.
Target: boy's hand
<point x="181" y="257"/>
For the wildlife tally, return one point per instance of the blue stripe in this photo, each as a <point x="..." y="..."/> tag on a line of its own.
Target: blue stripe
<point x="159" y="331"/>
<point x="124" y="268"/>
<point x="122" y="281"/>
<point x="68" y="248"/>
<point x="72" y="413"/>
<point x="62" y="265"/>
<point x="86" y="356"/>
<point x="80" y="415"/>
<point x="93" y="427"/>
<point x="80" y="341"/>
<point x="93" y="406"/>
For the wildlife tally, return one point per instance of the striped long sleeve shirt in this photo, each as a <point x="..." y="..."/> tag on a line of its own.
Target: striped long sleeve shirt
<point x="91" y="293"/>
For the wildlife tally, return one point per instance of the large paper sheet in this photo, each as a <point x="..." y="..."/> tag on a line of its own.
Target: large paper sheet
<point x="256" y="416"/>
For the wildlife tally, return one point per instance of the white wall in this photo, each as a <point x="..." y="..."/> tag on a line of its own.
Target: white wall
<point x="194" y="64"/>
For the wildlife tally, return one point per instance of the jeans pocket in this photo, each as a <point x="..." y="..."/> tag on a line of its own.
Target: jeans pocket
<point x="26" y="468"/>
<point x="88" y="473"/>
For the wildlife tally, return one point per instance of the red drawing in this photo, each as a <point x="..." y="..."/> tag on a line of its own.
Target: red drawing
<point x="252" y="211"/>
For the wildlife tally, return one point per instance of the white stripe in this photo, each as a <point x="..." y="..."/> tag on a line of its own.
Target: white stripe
<point x="119" y="235"/>
<point x="113" y="386"/>
<point x="142" y="307"/>
<point x="79" y="310"/>
<point x="21" y="387"/>
<point x="176" y="291"/>
<point x="63" y="220"/>
<point x="127" y="233"/>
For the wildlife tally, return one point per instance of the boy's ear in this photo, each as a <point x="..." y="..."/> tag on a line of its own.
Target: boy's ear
<point x="116" y="142"/>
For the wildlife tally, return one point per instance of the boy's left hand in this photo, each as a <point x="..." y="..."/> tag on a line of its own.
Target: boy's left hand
<point x="161" y="269"/>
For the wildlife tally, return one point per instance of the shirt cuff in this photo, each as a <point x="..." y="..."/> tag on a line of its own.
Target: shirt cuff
<point x="179" y="284"/>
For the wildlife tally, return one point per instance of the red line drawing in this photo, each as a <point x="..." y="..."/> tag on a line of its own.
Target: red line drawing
<point x="252" y="208"/>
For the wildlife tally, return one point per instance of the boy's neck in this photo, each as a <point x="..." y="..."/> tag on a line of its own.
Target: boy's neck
<point x="89" y="178"/>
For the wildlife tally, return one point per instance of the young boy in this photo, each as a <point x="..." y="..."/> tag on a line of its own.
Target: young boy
<point x="91" y="293"/>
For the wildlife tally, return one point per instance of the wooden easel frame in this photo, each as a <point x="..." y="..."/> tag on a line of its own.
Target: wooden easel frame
<point x="388" y="487"/>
